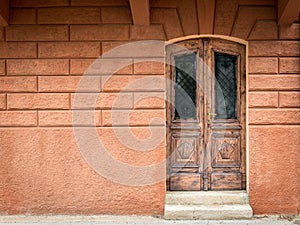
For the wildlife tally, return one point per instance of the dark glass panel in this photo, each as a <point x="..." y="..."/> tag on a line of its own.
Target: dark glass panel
<point x="225" y="86"/>
<point x="185" y="86"/>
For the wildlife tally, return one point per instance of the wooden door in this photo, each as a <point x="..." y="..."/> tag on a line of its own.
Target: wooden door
<point x="206" y="115"/>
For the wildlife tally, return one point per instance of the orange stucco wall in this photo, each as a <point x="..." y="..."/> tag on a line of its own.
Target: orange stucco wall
<point x="50" y="44"/>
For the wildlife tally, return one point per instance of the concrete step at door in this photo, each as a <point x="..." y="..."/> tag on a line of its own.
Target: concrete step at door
<point x="207" y="212"/>
<point x="206" y="197"/>
<point x="207" y="205"/>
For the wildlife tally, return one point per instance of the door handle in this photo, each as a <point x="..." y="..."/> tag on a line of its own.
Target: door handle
<point x="210" y="116"/>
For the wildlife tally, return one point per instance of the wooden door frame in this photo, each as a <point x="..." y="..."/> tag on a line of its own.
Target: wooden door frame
<point x="238" y="41"/>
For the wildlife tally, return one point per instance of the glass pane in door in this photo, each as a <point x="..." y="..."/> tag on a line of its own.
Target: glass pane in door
<point x="185" y="86"/>
<point x="225" y="86"/>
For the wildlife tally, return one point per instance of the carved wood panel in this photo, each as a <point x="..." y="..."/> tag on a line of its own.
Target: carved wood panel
<point x="226" y="149"/>
<point x="185" y="147"/>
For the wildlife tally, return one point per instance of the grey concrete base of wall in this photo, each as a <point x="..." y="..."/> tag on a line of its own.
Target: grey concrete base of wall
<point x="137" y="220"/>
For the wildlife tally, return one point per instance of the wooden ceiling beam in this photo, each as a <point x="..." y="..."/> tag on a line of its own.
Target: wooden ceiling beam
<point x="4" y="12"/>
<point x="140" y="11"/>
<point x="206" y="16"/>
<point x="288" y="11"/>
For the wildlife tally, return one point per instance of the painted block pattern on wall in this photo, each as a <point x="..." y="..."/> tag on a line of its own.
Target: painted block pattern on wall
<point x="43" y="56"/>
<point x="50" y="44"/>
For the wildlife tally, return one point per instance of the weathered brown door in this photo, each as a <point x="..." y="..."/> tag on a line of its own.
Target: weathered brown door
<point x="206" y="115"/>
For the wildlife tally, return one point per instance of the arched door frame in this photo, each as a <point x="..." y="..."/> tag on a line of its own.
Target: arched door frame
<point x="238" y="41"/>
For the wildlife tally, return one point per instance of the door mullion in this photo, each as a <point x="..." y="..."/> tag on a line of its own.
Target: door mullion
<point x="207" y="106"/>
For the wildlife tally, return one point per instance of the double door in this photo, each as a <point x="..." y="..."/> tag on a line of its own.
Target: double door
<point x="206" y="115"/>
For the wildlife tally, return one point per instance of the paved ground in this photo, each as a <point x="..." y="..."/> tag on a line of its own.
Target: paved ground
<point x="125" y="220"/>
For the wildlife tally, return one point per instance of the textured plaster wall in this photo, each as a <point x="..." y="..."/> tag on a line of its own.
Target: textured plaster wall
<point x="51" y="43"/>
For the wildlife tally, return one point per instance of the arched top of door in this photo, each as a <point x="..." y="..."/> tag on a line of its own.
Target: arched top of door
<point x="221" y="37"/>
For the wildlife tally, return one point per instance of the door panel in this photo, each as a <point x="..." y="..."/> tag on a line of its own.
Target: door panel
<point x="227" y="126"/>
<point x="225" y="181"/>
<point x="185" y="169"/>
<point x="185" y="181"/>
<point x="186" y="146"/>
<point x="206" y="115"/>
<point x="225" y="149"/>
<point x="226" y="160"/>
